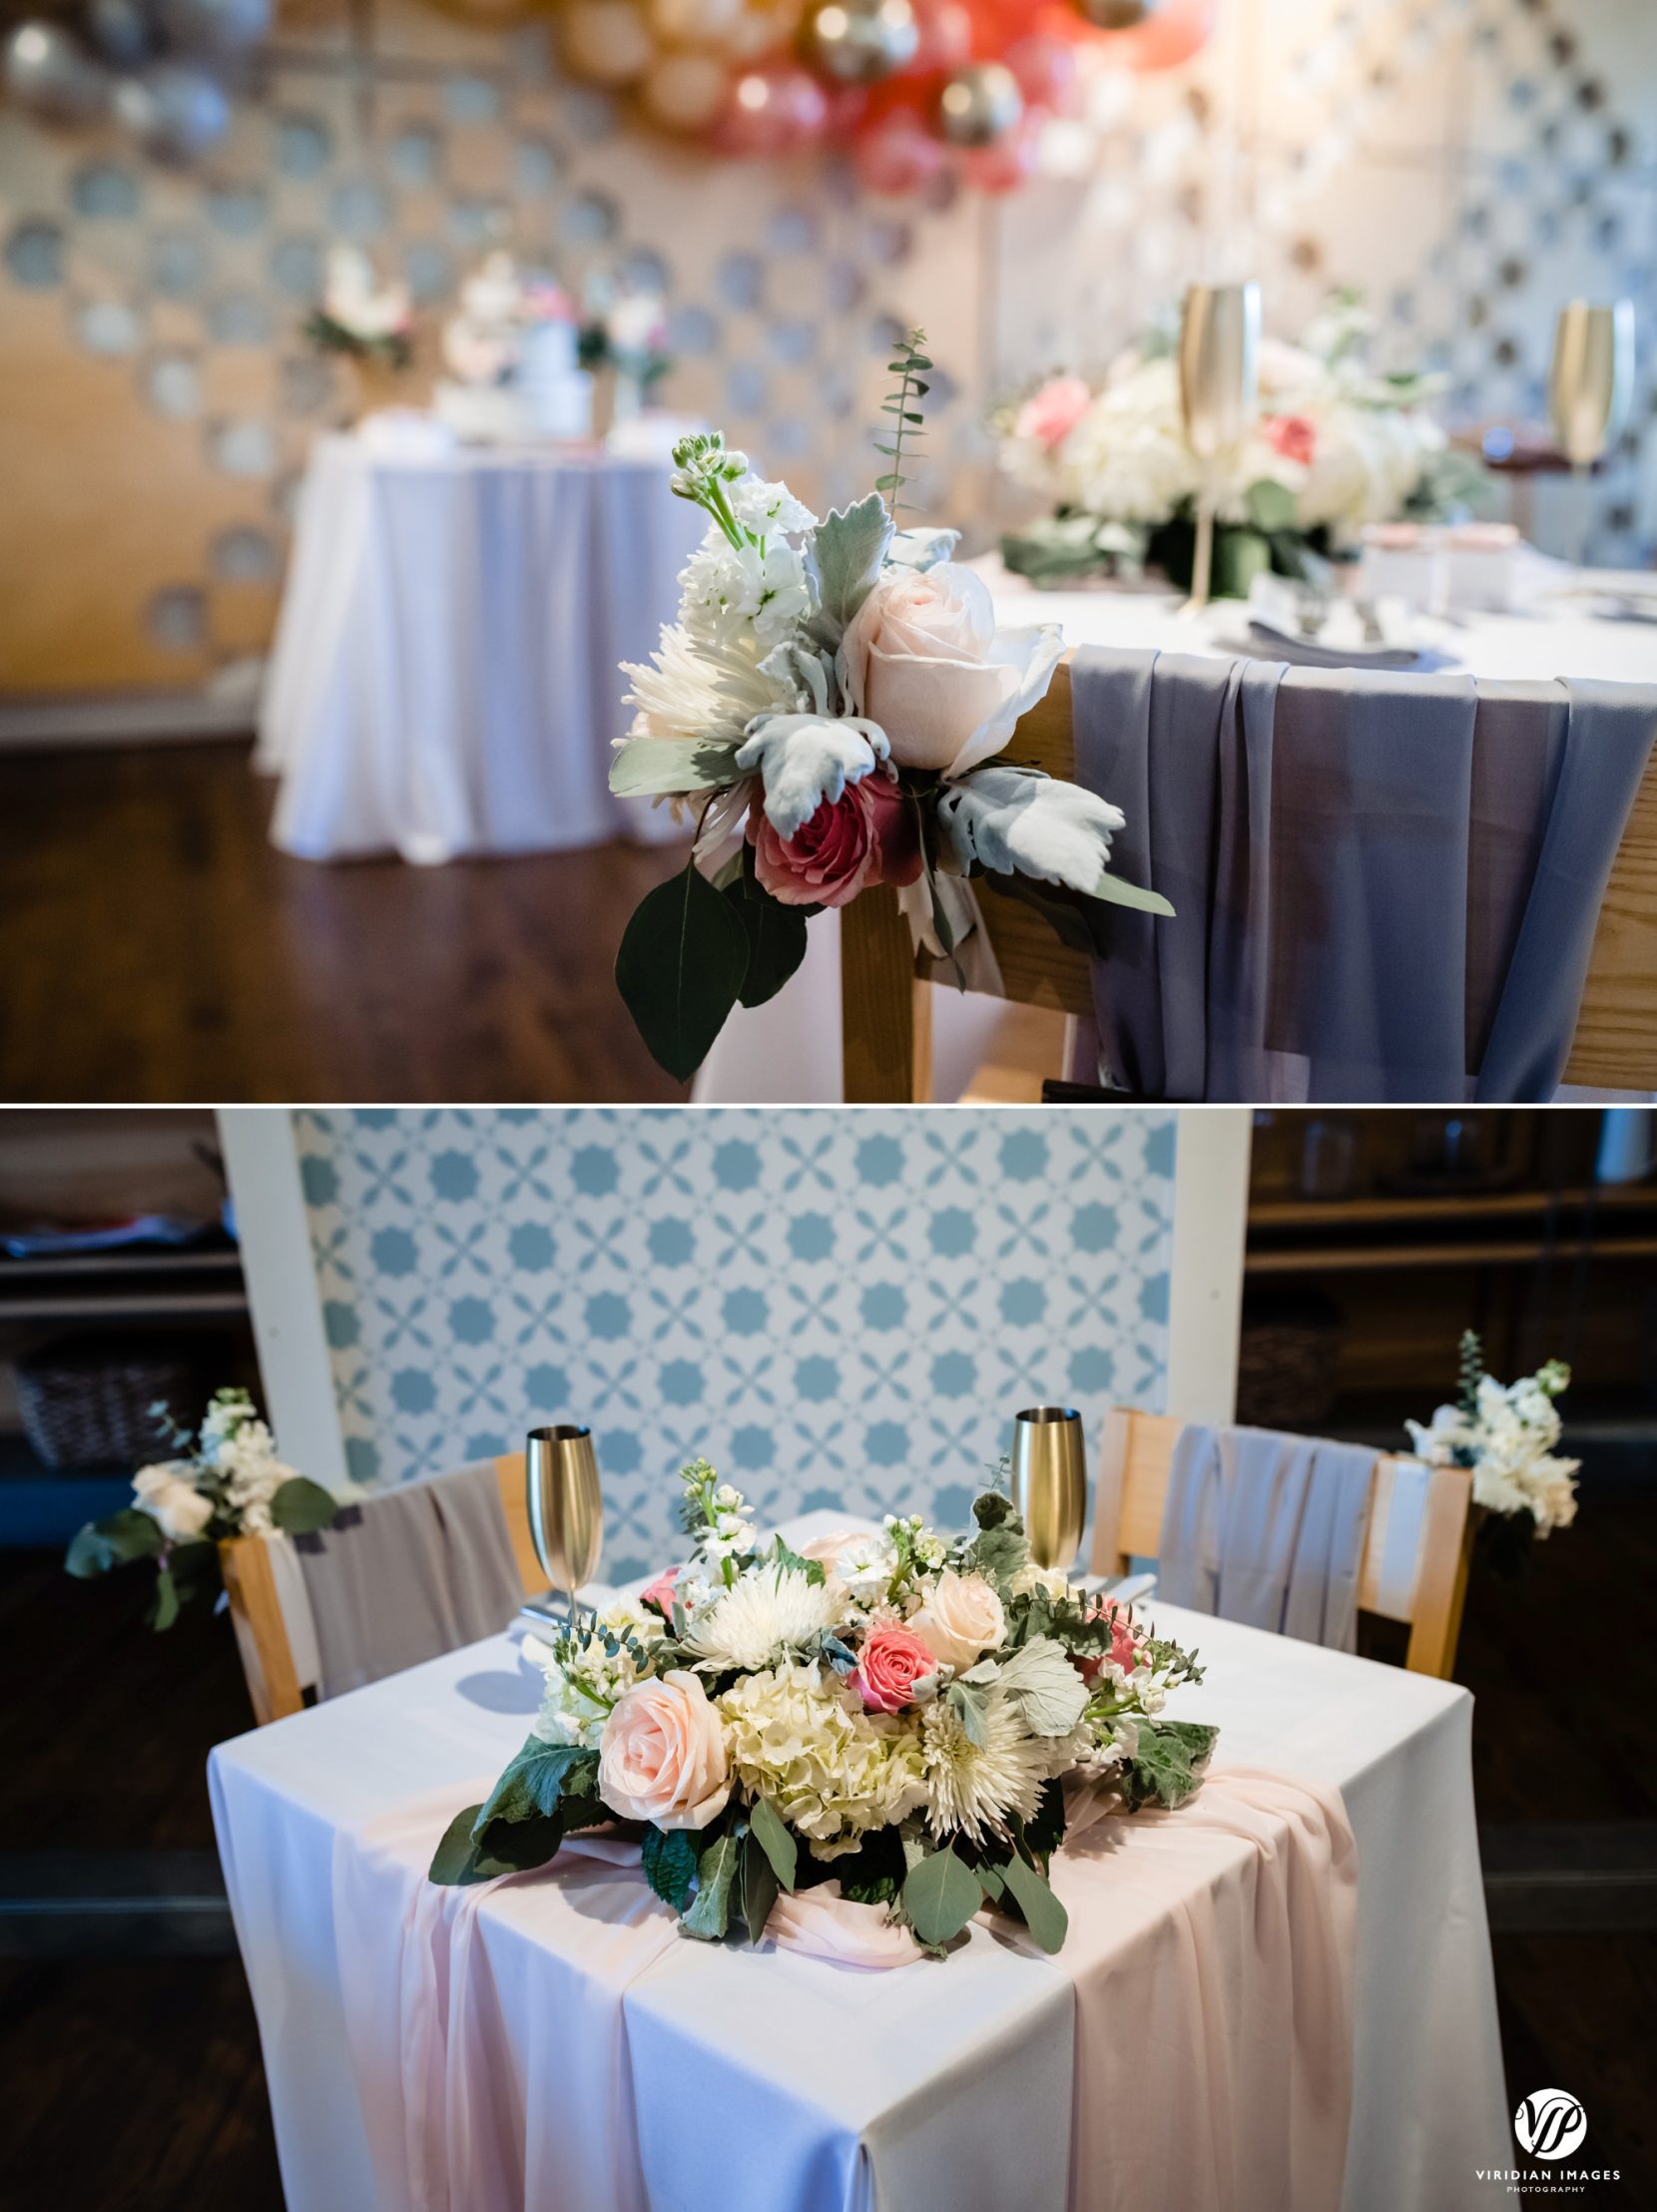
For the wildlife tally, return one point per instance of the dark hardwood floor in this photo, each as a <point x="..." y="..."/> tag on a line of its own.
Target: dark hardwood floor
<point x="155" y="946"/>
<point x="135" y="2080"/>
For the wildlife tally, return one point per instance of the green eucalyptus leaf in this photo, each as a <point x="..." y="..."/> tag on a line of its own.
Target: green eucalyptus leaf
<point x="776" y="939"/>
<point x="759" y="1886"/>
<point x="300" y="1506"/>
<point x="715" y="1874"/>
<point x="670" y="1858"/>
<point x="166" y="1608"/>
<point x="533" y="1783"/>
<point x="1270" y="506"/>
<point x="775" y="1839"/>
<point x="680" y="968"/>
<point x="1044" y="1917"/>
<point x="940" y="1896"/>
<point x="514" y="1849"/>
<point x="1115" y="893"/>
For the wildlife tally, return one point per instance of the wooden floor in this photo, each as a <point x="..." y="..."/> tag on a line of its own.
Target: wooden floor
<point x="155" y="946"/>
<point x="136" y="2081"/>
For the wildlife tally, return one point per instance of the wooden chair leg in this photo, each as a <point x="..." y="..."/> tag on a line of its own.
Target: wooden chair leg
<point x="260" y="1630"/>
<point x="878" y="1021"/>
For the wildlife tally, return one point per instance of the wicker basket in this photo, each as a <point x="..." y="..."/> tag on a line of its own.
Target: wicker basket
<point x="86" y="1400"/>
<point x="1287" y="1363"/>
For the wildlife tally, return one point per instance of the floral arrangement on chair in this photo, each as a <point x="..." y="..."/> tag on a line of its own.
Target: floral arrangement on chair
<point x="227" y="1482"/>
<point x="1335" y="447"/>
<point x="835" y="699"/>
<point x="1506" y="1434"/>
<point x="359" y="318"/>
<point x="889" y="1711"/>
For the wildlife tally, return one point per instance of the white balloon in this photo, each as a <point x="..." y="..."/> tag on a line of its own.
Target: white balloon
<point x="174" y="112"/>
<point x="46" y="72"/>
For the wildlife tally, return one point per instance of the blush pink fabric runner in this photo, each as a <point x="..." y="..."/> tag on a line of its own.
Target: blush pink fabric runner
<point x="1210" y="1955"/>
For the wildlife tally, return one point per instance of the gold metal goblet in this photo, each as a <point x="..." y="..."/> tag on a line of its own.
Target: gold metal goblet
<point x="1590" y="389"/>
<point x="1219" y="384"/>
<point x="1049" y="1481"/>
<point x="566" y="1512"/>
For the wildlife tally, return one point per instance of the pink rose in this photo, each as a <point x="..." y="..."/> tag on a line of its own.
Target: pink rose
<point x="891" y="1662"/>
<point x="866" y="836"/>
<point x="1124" y="1645"/>
<point x="1291" y="435"/>
<point x="660" y="1592"/>
<point x="661" y="1755"/>
<point x="923" y="659"/>
<point x="1050" y="414"/>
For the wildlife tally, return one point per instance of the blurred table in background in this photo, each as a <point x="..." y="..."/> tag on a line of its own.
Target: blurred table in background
<point x="445" y="680"/>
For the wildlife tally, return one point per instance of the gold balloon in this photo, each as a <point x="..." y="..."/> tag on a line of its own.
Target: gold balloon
<point x="981" y="104"/>
<point x="1117" y="15"/>
<point x="858" y="42"/>
<point x="684" y="91"/>
<point x="606" y="41"/>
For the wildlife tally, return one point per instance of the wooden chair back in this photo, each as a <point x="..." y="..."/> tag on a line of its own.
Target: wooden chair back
<point x="1134" y="1467"/>
<point x="883" y="1016"/>
<point x="273" y="1684"/>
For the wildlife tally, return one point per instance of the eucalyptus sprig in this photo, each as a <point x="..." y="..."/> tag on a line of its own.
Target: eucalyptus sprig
<point x="1472" y="1370"/>
<point x="902" y="406"/>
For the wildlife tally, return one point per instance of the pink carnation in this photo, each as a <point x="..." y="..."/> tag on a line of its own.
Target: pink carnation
<point x="660" y="1592"/>
<point x="1291" y="435"/>
<point x="1050" y="414"/>
<point x="891" y="1662"/>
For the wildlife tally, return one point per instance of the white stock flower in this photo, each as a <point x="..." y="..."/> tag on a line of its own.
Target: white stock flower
<point x="830" y="1770"/>
<point x="769" y="510"/>
<point x="806" y="759"/>
<point x="584" y="1685"/>
<point x="977" y="1788"/>
<point x="743" y="591"/>
<point x="1438" y="1441"/>
<point x="1014" y="822"/>
<point x="764" y="1615"/>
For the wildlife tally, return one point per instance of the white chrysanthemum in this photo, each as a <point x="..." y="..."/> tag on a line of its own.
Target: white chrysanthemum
<point x="699" y="688"/>
<point x="976" y="1788"/>
<point x="832" y="1771"/>
<point x="731" y="592"/>
<point x="768" y="509"/>
<point x="764" y="1616"/>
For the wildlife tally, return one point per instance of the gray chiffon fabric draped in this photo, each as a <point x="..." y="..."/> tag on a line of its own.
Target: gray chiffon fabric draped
<point x="1267" y="1530"/>
<point x="1385" y="887"/>
<point x="406" y="1574"/>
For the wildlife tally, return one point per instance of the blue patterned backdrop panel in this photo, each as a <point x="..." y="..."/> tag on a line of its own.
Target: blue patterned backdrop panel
<point x="838" y="1309"/>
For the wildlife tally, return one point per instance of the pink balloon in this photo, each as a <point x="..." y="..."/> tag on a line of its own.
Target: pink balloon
<point x="1048" y="73"/>
<point x="945" y="35"/>
<point x="899" y="154"/>
<point x="774" y="108"/>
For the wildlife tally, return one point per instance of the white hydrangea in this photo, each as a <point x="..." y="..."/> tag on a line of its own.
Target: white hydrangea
<point x="733" y="592"/>
<point x="832" y="1771"/>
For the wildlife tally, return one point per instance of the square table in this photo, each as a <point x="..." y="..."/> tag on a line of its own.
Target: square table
<point x="822" y="2086"/>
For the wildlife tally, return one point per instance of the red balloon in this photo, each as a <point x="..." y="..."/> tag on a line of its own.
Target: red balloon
<point x="1048" y="73"/>
<point x="897" y="153"/>
<point x="945" y="35"/>
<point x="774" y="108"/>
<point x="1179" y="29"/>
<point x="1007" y="164"/>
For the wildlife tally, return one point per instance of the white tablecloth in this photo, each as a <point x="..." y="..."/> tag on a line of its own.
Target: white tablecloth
<point x="788" y="1051"/>
<point x="444" y="679"/>
<point x="798" y="2055"/>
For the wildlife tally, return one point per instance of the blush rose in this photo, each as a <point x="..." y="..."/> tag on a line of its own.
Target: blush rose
<point x="918" y="654"/>
<point x="866" y="836"/>
<point x="961" y="1620"/>
<point x="661" y="1755"/>
<point x="889" y="1665"/>
<point x="660" y="1592"/>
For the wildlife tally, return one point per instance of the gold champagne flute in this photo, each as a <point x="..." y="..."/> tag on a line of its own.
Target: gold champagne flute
<point x="566" y="1512"/>
<point x="1219" y="354"/>
<point x="1591" y="389"/>
<point x="1049" y="1481"/>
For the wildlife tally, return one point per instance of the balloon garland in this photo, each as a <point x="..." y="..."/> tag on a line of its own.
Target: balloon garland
<point x="915" y="89"/>
<point x="155" y="67"/>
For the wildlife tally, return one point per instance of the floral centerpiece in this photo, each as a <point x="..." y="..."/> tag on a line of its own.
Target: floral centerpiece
<point x="226" y="1481"/>
<point x="1506" y="1434"/>
<point x="835" y="699"/>
<point x="1335" y="447"/>
<point x="893" y="1712"/>
<point x="628" y="334"/>
<point x="365" y="321"/>
<point x="500" y="308"/>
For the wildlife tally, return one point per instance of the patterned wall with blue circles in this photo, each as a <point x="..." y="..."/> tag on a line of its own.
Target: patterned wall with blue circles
<point x="838" y="1309"/>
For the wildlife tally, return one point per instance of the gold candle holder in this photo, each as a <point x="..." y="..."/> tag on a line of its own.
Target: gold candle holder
<point x="1049" y="1481"/>
<point x="566" y="1510"/>
<point x="1219" y="383"/>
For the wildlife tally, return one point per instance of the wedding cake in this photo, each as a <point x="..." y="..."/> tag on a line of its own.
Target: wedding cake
<point x="512" y="350"/>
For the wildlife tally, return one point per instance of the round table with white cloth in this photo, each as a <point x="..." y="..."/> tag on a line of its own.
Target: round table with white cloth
<point x="788" y="1051"/>
<point x="445" y="676"/>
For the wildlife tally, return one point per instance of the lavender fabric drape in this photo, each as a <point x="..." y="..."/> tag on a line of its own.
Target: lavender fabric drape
<point x="408" y="1574"/>
<point x="1267" y="1530"/>
<point x="1385" y="887"/>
